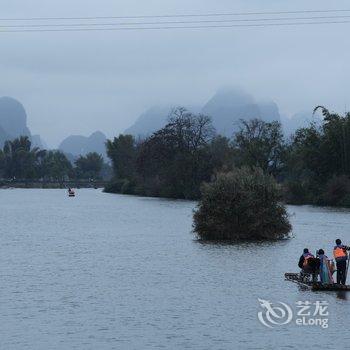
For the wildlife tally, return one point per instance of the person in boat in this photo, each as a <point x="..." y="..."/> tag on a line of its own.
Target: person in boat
<point x="341" y="257"/>
<point x="309" y="264"/>
<point x="303" y="261"/>
<point x="326" y="268"/>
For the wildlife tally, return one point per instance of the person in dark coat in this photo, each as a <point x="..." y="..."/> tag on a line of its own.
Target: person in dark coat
<point x="341" y="258"/>
<point x="309" y="264"/>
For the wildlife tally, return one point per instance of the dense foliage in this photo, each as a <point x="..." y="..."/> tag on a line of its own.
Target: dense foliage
<point x="260" y="144"/>
<point x="313" y="166"/>
<point x="318" y="162"/>
<point x="173" y="162"/>
<point x="19" y="161"/>
<point x="243" y="204"/>
<point x="89" y="166"/>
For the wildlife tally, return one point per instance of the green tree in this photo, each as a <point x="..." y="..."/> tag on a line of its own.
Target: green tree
<point x="260" y="144"/>
<point x="56" y="166"/>
<point x="122" y="152"/>
<point x="176" y="159"/>
<point x="318" y="163"/>
<point x="241" y="205"/>
<point x="222" y="153"/>
<point x="89" y="166"/>
<point x="336" y="140"/>
<point x="2" y="163"/>
<point x="306" y="165"/>
<point x="20" y="160"/>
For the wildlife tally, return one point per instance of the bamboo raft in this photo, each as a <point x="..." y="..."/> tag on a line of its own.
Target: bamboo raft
<point x="315" y="286"/>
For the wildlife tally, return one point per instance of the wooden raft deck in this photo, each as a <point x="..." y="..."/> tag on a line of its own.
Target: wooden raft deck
<point x="295" y="277"/>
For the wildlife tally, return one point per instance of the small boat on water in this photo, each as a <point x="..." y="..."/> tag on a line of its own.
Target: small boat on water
<point x="315" y="286"/>
<point x="71" y="192"/>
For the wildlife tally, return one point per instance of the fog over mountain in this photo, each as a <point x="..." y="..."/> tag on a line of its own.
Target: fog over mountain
<point x="153" y="119"/>
<point x="3" y="137"/>
<point x="300" y="120"/>
<point x="229" y="105"/>
<point x="81" y="145"/>
<point x="226" y="108"/>
<point x="13" y="123"/>
<point x="74" y="83"/>
<point x="37" y="141"/>
<point x="13" y="120"/>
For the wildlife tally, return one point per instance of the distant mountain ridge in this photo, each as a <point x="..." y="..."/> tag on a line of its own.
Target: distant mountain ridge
<point x="37" y="141"/>
<point x="299" y="120"/>
<point x="3" y="137"/>
<point x="13" y="120"/>
<point x="13" y="123"/>
<point x="151" y="120"/>
<point x="229" y="105"/>
<point x="77" y="145"/>
<point x="226" y="108"/>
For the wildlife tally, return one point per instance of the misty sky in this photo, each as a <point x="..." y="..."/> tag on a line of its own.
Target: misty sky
<point x="76" y="83"/>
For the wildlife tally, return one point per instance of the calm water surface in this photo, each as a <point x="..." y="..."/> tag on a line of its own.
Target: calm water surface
<point x="104" y="271"/>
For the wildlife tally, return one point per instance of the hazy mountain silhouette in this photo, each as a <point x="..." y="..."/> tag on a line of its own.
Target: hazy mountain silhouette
<point x="37" y="141"/>
<point x="226" y="108"/>
<point x="3" y="137"/>
<point x="151" y="120"/>
<point x="13" y="119"/>
<point x="299" y="120"/>
<point x="229" y="105"/>
<point x="81" y="145"/>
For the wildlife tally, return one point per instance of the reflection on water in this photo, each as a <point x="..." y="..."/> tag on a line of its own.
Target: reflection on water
<point x="343" y="295"/>
<point x="108" y="271"/>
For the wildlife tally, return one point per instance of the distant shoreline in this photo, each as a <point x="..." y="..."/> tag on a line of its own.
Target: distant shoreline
<point x="7" y="184"/>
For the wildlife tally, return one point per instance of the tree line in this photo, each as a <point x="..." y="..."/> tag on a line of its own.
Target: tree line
<point x="172" y="162"/>
<point x="312" y="166"/>
<point x="20" y="161"/>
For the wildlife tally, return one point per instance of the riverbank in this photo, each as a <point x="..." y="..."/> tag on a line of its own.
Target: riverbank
<point x="5" y="184"/>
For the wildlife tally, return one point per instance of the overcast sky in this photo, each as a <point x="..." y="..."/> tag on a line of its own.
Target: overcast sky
<point x="77" y="83"/>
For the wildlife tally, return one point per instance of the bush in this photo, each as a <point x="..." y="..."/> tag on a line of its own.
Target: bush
<point x="295" y="192"/>
<point x="337" y="191"/>
<point x="241" y="205"/>
<point x="301" y="191"/>
<point x="122" y="186"/>
<point x="114" y="186"/>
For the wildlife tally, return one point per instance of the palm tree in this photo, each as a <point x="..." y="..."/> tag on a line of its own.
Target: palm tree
<point x="20" y="159"/>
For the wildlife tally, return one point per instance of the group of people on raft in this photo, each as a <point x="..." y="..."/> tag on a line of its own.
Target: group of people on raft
<point x="323" y="266"/>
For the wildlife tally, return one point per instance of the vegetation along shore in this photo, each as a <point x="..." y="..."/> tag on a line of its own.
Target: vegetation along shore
<point x="311" y="167"/>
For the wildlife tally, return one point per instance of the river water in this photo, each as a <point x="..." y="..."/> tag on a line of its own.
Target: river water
<point x="103" y="271"/>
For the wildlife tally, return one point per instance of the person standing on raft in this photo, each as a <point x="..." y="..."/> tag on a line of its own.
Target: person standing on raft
<point x="326" y="267"/>
<point x="341" y="258"/>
